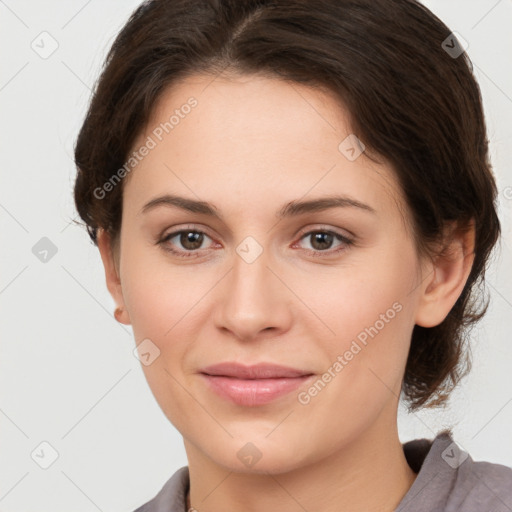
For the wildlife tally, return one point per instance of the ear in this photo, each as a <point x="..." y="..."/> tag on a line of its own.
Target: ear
<point x="110" y="258"/>
<point x="446" y="275"/>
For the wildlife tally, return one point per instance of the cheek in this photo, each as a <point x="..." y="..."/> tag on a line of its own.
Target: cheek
<point x="369" y="310"/>
<point x="160" y="297"/>
<point x="161" y="308"/>
<point x="166" y="305"/>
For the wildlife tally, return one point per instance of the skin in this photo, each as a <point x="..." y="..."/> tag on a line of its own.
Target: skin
<point x="250" y="146"/>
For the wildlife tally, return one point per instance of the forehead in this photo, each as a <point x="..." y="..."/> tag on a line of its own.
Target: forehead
<point x="262" y="138"/>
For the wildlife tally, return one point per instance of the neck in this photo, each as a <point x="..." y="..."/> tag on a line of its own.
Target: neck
<point x="369" y="474"/>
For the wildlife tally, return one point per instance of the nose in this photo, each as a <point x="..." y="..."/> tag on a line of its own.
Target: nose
<point x="253" y="299"/>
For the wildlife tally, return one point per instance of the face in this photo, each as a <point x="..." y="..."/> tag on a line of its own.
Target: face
<point x="331" y="290"/>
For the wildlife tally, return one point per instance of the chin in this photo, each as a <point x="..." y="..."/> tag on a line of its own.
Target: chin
<point x="259" y="455"/>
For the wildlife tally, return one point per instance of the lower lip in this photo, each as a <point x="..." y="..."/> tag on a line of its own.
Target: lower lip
<point x="252" y="392"/>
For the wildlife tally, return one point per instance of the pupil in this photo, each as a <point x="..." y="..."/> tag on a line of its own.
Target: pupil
<point x="320" y="237"/>
<point x="190" y="240"/>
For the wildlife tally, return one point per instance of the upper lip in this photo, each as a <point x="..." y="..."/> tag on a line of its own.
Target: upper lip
<point x="257" y="371"/>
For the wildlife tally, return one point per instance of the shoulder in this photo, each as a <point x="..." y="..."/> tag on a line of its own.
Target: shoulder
<point x="484" y="484"/>
<point x="450" y="480"/>
<point x="172" y="496"/>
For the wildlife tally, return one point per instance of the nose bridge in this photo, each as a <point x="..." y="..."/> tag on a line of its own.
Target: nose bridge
<point x="252" y="297"/>
<point x="249" y="283"/>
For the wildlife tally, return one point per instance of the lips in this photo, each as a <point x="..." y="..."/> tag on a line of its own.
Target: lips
<point x="258" y="371"/>
<point x="252" y="386"/>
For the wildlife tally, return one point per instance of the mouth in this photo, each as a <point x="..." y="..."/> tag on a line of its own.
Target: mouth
<point x="253" y="385"/>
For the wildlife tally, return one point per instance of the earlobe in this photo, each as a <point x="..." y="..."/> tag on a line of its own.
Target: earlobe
<point x="447" y="276"/>
<point x="112" y="277"/>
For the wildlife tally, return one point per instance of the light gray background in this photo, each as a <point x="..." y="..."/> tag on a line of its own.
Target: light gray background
<point x="67" y="372"/>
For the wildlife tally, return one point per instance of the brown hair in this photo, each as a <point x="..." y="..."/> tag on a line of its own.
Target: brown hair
<point x="404" y="79"/>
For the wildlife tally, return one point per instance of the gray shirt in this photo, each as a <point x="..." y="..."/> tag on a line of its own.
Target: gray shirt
<point x="448" y="480"/>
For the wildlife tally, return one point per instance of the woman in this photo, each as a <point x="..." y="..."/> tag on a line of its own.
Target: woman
<point x="294" y="206"/>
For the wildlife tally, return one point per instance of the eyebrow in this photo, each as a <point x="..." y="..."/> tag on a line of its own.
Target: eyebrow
<point x="291" y="209"/>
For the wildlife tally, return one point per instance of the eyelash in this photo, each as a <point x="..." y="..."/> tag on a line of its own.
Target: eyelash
<point x="346" y="242"/>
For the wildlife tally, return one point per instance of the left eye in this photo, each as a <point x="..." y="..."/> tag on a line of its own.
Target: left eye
<point x="322" y="240"/>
